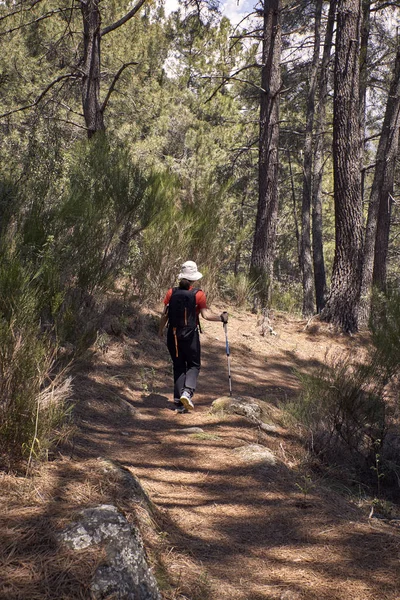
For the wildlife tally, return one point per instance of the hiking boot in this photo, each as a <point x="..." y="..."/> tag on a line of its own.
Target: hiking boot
<point x="178" y="407"/>
<point x="186" y="399"/>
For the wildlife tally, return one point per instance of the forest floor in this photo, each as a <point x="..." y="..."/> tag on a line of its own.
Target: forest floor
<point x="226" y="529"/>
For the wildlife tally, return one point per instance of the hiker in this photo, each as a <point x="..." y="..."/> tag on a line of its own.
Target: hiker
<point x="183" y="305"/>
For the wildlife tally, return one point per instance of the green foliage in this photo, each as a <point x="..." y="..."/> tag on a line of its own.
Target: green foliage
<point x="385" y="330"/>
<point x="181" y="231"/>
<point x="342" y="408"/>
<point x="28" y="418"/>
<point x="109" y="201"/>
<point x="8" y="201"/>
<point x="239" y="289"/>
<point x="287" y="296"/>
<point x="73" y="241"/>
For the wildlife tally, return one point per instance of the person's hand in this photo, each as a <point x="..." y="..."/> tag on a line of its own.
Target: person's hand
<point x="224" y="317"/>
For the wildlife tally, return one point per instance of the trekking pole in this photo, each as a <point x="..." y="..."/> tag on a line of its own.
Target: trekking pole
<point x="228" y="354"/>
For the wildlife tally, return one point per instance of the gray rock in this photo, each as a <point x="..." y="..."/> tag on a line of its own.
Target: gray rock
<point x="239" y="405"/>
<point x="125" y="574"/>
<point x="191" y="430"/>
<point x="247" y="408"/>
<point x="129" y="484"/>
<point x="255" y="453"/>
<point x="268" y="428"/>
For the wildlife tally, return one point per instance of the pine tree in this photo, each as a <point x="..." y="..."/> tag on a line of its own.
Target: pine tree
<point x="342" y="304"/>
<point x="263" y="253"/>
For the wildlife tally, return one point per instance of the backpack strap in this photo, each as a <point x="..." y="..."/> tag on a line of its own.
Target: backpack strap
<point x="176" y="342"/>
<point x="198" y="315"/>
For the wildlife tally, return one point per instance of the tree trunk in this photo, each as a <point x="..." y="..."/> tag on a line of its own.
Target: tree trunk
<point x="365" y="31"/>
<point x="379" y="277"/>
<point x="342" y="305"/>
<point x="385" y="192"/>
<point x="262" y="258"/>
<point x="91" y="67"/>
<point x="240" y="227"/>
<point x="306" y="258"/>
<point x="318" y="168"/>
<point x="378" y="223"/>
<point x="296" y="224"/>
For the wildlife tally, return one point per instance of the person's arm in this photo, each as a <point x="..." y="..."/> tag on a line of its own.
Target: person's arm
<point x="209" y="315"/>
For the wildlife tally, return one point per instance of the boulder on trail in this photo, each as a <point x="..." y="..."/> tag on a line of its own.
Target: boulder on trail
<point x="191" y="430"/>
<point x="125" y="574"/>
<point x="255" y="453"/>
<point x="239" y="405"/>
<point x="244" y="406"/>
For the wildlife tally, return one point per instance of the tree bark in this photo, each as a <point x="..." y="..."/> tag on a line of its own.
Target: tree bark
<point x="318" y="167"/>
<point x="387" y="164"/>
<point x="91" y="67"/>
<point x="306" y="258"/>
<point x="294" y="204"/>
<point x="365" y="31"/>
<point x="378" y="222"/>
<point x="262" y="258"/>
<point x="342" y="305"/>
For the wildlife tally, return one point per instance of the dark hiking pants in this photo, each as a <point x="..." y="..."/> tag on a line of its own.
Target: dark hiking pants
<point x="187" y="364"/>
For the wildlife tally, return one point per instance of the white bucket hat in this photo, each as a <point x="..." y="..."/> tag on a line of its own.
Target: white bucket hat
<point x="189" y="271"/>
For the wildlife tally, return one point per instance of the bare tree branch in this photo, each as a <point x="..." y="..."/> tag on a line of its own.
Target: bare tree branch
<point x="37" y="20"/>
<point x="226" y="78"/>
<point x="113" y="84"/>
<point x="232" y="78"/>
<point x="247" y="34"/>
<point x="40" y="97"/>
<point x="70" y="123"/>
<point x="244" y="19"/>
<point x="124" y="19"/>
<point x="20" y="10"/>
<point x="67" y="107"/>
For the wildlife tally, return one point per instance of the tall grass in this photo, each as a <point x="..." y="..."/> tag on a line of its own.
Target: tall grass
<point x="342" y="409"/>
<point x="27" y="422"/>
<point x="385" y="331"/>
<point x="348" y="409"/>
<point x="185" y="229"/>
<point x="240" y="289"/>
<point x="67" y="240"/>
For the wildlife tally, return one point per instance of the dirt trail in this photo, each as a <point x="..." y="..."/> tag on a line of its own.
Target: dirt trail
<point x="235" y="531"/>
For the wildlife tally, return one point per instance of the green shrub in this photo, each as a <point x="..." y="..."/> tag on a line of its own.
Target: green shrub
<point x="109" y="200"/>
<point x="342" y="409"/>
<point x="343" y="406"/>
<point x="385" y="333"/>
<point x="287" y="296"/>
<point x="156" y="257"/>
<point x="239" y="289"/>
<point x="31" y="407"/>
<point x="182" y="231"/>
